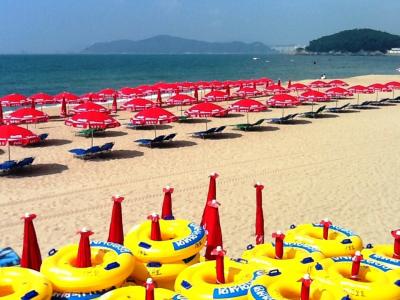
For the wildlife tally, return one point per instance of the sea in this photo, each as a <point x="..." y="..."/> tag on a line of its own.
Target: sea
<point x="28" y="74"/>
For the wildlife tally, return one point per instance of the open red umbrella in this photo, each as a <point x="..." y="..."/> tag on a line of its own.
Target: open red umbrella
<point x="31" y="257"/>
<point x="138" y="104"/>
<point x="185" y="86"/>
<point x="337" y="83"/>
<point x="378" y="87"/>
<point x="318" y="84"/>
<point x="360" y="89"/>
<point x="26" y="116"/>
<point x="166" y="212"/>
<point x="213" y="227"/>
<point x="393" y="85"/>
<point x="212" y="194"/>
<point x="84" y="256"/>
<point x="215" y="96"/>
<point x="128" y="92"/>
<point x="13" y="100"/>
<point x="259" y="215"/>
<point x="275" y="89"/>
<point x="338" y="92"/>
<point x="107" y="93"/>
<point x="298" y="87"/>
<point x="181" y="99"/>
<point x="42" y="98"/>
<point x="247" y="105"/>
<point x="13" y="135"/>
<point x="116" y="232"/>
<point x="206" y="110"/>
<point x="248" y="92"/>
<point x="314" y="96"/>
<point x="153" y="116"/>
<point x="89" y="107"/>
<point x="283" y="101"/>
<point x="69" y="98"/>
<point x="91" y="97"/>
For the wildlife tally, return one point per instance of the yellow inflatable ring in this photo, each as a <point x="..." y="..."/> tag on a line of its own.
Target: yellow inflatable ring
<point x="198" y="281"/>
<point x="180" y="239"/>
<point x="164" y="275"/>
<point x="287" y="288"/>
<point x="21" y="283"/>
<point x="112" y="265"/>
<point x="375" y="281"/>
<point x="139" y="293"/>
<point x="341" y="242"/>
<point x="296" y="257"/>
<point x="382" y="254"/>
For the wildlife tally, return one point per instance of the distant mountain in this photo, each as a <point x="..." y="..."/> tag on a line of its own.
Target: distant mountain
<point x="355" y="41"/>
<point x="165" y="44"/>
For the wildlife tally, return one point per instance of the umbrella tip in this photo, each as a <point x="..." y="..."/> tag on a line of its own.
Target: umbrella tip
<point x="306" y="277"/>
<point x="28" y="215"/>
<point x="149" y="281"/>
<point x="85" y="230"/>
<point x="117" y="198"/>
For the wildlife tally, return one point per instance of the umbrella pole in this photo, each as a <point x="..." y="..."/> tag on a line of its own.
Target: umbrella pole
<point x="336" y="100"/>
<point x="9" y="151"/>
<point x="206" y="122"/>
<point x="92" y="132"/>
<point x="247" y="116"/>
<point x="377" y="95"/>
<point x="312" y="106"/>
<point x="358" y="98"/>
<point x="283" y="111"/>
<point x="155" y="131"/>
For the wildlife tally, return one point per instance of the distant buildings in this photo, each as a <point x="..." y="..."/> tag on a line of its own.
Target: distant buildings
<point x="286" y="49"/>
<point x="394" y="51"/>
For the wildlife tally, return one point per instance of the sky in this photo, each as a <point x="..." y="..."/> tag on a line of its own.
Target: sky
<point x="59" y="26"/>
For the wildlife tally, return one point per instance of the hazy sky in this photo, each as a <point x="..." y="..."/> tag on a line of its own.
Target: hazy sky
<point x="46" y="26"/>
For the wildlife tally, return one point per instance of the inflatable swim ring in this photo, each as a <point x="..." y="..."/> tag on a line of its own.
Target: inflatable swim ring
<point x="138" y="293"/>
<point x="111" y="266"/>
<point x="340" y="241"/>
<point x="375" y="281"/>
<point x="296" y="257"/>
<point x="199" y="281"/>
<point x="180" y="239"/>
<point x="21" y="283"/>
<point x="382" y="254"/>
<point x="164" y="275"/>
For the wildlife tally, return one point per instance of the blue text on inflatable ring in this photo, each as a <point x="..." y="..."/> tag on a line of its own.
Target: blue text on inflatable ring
<point x="118" y="249"/>
<point x="236" y="290"/>
<point x="196" y="234"/>
<point x="78" y="296"/>
<point x="307" y="248"/>
<point x="386" y="260"/>
<point x="346" y="232"/>
<point x="364" y="262"/>
<point x="179" y="297"/>
<point x="260" y="292"/>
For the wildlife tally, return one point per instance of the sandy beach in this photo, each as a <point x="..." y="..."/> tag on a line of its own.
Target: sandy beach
<point x="344" y="167"/>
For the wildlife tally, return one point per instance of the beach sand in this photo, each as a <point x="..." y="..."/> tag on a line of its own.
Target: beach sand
<point x="344" y="167"/>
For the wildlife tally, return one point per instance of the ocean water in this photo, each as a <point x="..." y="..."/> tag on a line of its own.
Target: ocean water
<point x="28" y="74"/>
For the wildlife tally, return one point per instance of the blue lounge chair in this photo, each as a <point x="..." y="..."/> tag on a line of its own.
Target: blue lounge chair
<point x="80" y="153"/>
<point x="220" y="129"/>
<point x="204" y="134"/>
<point x="169" y="137"/>
<point x="107" y="147"/>
<point x="364" y="105"/>
<point x="43" y="136"/>
<point x="339" y="109"/>
<point x="8" y="257"/>
<point x="25" y="162"/>
<point x="284" y="120"/>
<point x="314" y="114"/>
<point x="94" y="150"/>
<point x="7" y="166"/>
<point x="151" y="142"/>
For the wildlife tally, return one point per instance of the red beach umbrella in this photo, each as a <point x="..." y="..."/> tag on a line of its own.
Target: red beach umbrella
<point x="181" y="99"/>
<point x="219" y="254"/>
<point x="279" y="237"/>
<point x="1" y="115"/>
<point x="196" y="93"/>
<point x="212" y="194"/>
<point x="91" y="97"/>
<point x="42" y="98"/>
<point x="16" y="136"/>
<point x="116" y="232"/>
<point x="159" y="98"/>
<point x="259" y="215"/>
<point x="355" y="266"/>
<point x="283" y="101"/>
<point x="314" y="96"/>
<point x="360" y="89"/>
<point x="326" y="224"/>
<point x="215" y="96"/>
<point x="298" y="87"/>
<point x="275" y="89"/>
<point x="137" y="104"/>
<point x="378" y="87"/>
<point x="13" y="100"/>
<point x="153" y="116"/>
<point x="318" y="84"/>
<point x="150" y="286"/>
<point x="26" y="116"/>
<point x="166" y="212"/>
<point x="337" y="83"/>
<point x="89" y="107"/>
<point x="130" y="92"/>
<point x="206" y="110"/>
<point x="248" y="92"/>
<point x="114" y="107"/>
<point x="155" y="234"/>
<point x="396" y="245"/>
<point x="305" y="287"/>
<point x="338" y="92"/>
<point x="247" y="105"/>
<point x="31" y="257"/>
<point x="69" y="98"/>
<point x="393" y="85"/>
<point x="107" y="93"/>
<point x="63" y="110"/>
<point x="213" y="228"/>
<point x="84" y="257"/>
<point x="96" y="120"/>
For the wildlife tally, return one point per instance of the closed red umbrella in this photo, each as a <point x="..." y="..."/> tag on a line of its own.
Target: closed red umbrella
<point x="181" y="99"/>
<point x="247" y="105"/>
<point x="196" y="93"/>
<point x="337" y="83"/>
<point x="13" y="100"/>
<point x="212" y="194"/>
<point x="43" y="98"/>
<point x="206" y="110"/>
<point x="114" y="107"/>
<point x="149" y="287"/>
<point x="213" y="227"/>
<point x="69" y="98"/>
<point x="155" y="234"/>
<point x="360" y="89"/>
<point x="159" y="98"/>
<point x="1" y="115"/>
<point x="305" y="287"/>
<point x="248" y="92"/>
<point x="116" y="232"/>
<point x="31" y="257"/>
<point x="137" y="104"/>
<point x="219" y="254"/>
<point x="26" y="116"/>
<point x="89" y="107"/>
<point x="259" y="215"/>
<point x="16" y="136"/>
<point x="63" y="109"/>
<point x="215" y="96"/>
<point x="166" y="212"/>
<point x="84" y="256"/>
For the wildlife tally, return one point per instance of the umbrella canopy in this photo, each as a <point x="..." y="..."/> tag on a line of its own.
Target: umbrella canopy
<point x="107" y="93"/>
<point x="247" y="105"/>
<point x="14" y="100"/>
<point x="89" y="107"/>
<point x="96" y="120"/>
<point x="314" y="96"/>
<point x="95" y="97"/>
<point x="394" y="85"/>
<point x="283" y="100"/>
<point x="338" y="92"/>
<point x="298" y="87"/>
<point x="318" y="84"/>
<point x="360" y="89"/>
<point x="248" y="92"/>
<point x="42" y="98"/>
<point x="130" y="92"/>
<point x="275" y="89"/>
<point x="206" y="109"/>
<point x="262" y="81"/>
<point x="216" y="96"/>
<point x="181" y="99"/>
<point x="337" y="83"/>
<point x="185" y="86"/>
<point x="69" y="98"/>
<point x="138" y="104"/>
<point x="26" y="116"/>
<point x="18" y="136"/>
<point x="153" y="116"/>
<point x="203" y="84"/>
<point x="378" y="87"/>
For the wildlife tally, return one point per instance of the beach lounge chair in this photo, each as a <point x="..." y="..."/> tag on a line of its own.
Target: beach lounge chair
<point x="284" y="120"/>
<point x="169" y="137"/>
<point x="364" y="105"/>
<point x="106" y="148"/>
<point x="43" y="136"/>
<point x="204" y="134"/>
<point x="25" y="162"/>
<point x="381" y="102"/>
<point x="7" y="166"/>
<point x="151" y="142"/>
<point x="249" y="126"/>
<point x="395" y="100"/>
<point x="339" y="109"/>
<point x="8" y="257"/>
<point x="220" y="129"/>
<point x="182" y="119"/>
<point x="89" y="132"/>
<point x="314" y="114"/>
